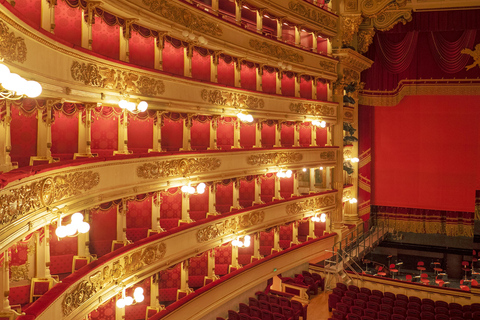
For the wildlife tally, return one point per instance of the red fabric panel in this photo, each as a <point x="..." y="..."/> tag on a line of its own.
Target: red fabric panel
<point x="103" y="230"/>
<point x="322" y="45"/>
<point x="105" y="135"/>
<point x="305" y="136"/>
<point x="200" y="133"/>
<point x="168" y="224"/>
<point x="136" y="312"/>
<point x="286" y="187"/>
<point x="173" y="59"/>
<point x="319" y="228"/>
<point x="305" y="89"/>
<point x="18" y="254"/>
<point x="306" y="40"/>
<point x="247" y="135"/>
<point x="269" y="82"/>
<point x="142" y="50"/>
<point x="61" y="264"/>
<point x="170" y="278"/>
<point x="166" y="295"/>
<point x="200" y="66"/>
<point x="248" y="78"/>
<point x="198" y="206"/>
<point x="225" y="135"/>
<point x="23" y="131"/>
<point x="172" y="135"/>
<point x="322" y="91"/>
<point x="171" y="207"/>
<point x="365" y="134"/>
<point x="266" y="243"/>
<point x="224" y="197"/>
<point x="65" y="135"/>
<point x="288" y="86"/>
<point x="288" y="34"/>
<point x="199" y="265"/>
<point x="106" y="39"/>
<point x="268" y="136"/>
<point x="267" y="189"/>
<point x="419" y="163"/>
<point x="30" y="9"/>
<point x="139" y="214"/>
<point x="247" y="193"/>
<point x="226" y="73"/>
<point x="68" y="23"/>
<point x="286" y="236"/>
<point x="287" y="135"/>
<point x="245" y="254"/>
<point x="104" y="312"/>
<point x="321" y="136"/>
<point x="19" y="295"/>
<point x="223" y="258"/>
<point x="303" y="230"/>
<point x="67" y="245"/>
<point x="140" y="134"/>
<point x="136" y="234"/>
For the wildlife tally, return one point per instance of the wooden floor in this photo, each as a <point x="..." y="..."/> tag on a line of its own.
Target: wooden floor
<point x="318" y="307"/>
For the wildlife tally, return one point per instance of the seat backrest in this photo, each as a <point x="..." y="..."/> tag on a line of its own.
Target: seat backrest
<point x="414" y="299"/>
<point x="252" y="302"/>
<point x="375" y="298"/>
<point x="255" y="312"/>
<point x="427" y="308"/>
<point x="389" y="295"/>
<point x="370" y="313"/>
<point x="343" y="307"/>
<point x="402" y="297"/>
<point x="351" y="294"/>
<point x="362" y="296"/>
<point x="356" y="310"/>
<point x="377" y="293"/>
<point x="386" y="308"/>
<point x="442" y="304"/>
<point x="373" y="305"/>
<point x="388" y="301"/>
<point x="366" y="290"/>
<point x="284" y="302"/>
<point x="243" y="308"/>
<point x="276" y="308"/>
<point x="399" y="310"/>
<point x="354" y="288"/>
<point x="414" y="305"/>
<point x="233" y="315"/>
<point x="382" y="315"/>
<point x="264" y="305"/>
<point x="428" y="301"/>
<point x="273" y="299"/>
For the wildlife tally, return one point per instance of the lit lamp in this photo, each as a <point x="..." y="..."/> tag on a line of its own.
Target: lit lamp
<point x="132" y="106"/>
<point x="245" y="243"/>
<point x="14" y="87"/>
<point x="322" y="218"/>
<point x="353" y="200"/>
<point x="284" y="174"/>
<point x="128" y="301"/>
<point x="245" y="117"/>
<point x="354" y="160"/>
<point x="200" y="189"/>
<point x="321" y="124"/>
<point x="75" y="227"/>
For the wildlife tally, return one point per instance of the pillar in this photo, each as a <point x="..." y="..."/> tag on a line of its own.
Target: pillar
<point x="158" y="55"/>
<point x="311" y="229"/>
<point x="238" y="11"/>
<point x="276" y="238"/>
<point x="212" y="195"/>
<point x="154" y="290"/>
<point x="122" y="221"/>
<point x="296" y="134"/>
<point x="337" y="216"/>
<point x="6" y="311"/>
<point x="42" y="261"/>
<point x="83" y="239"/>
<point x="215" y="7"/>
<point x="5" y="140"/>
<point x="87" y="25"/>
<point x="314" y="41"/>
<point x="258" y="191"/>
<point x="276" y="191"/>
<point x="119" y="312"/>
<point x="314" y="88"/>
<point x="278" y="135"/>
<point x="297" y="35"/>
<point x="211" y="263"/>
<point x="44" y="132"/>
<point x="48" y="15"/>
<point x="298" y="79"/>
<point x="237" y="68"/>
<point x="125" y="35"/>
<point x="235" y="257"/>
<point x="213" y="133"/>
<point x="295" y="233"/>
<point x="157" y="132"/>
<point x="278" y="82"/>
<point x="187" y="126"/>
<point x="184" y="275"/>
<point x="329" y="135"/>
<point x="280" y="28"/>
<point x="156" y="205"/>
<point x="236" y="134"/>
<point x="236" y="195"/>
<point x="258" y="134"/>
<point x="185" y="207"/>
<point x="312" y="180"/>
<point x="260" y="20"/>
<point x="122" y="147"/>
<point x="187" y="60"/>
<point x="84" y="131"/>
<point x="214" y="66"/>
<point x="256" y="245"/>
<point x="259" y="74"/>
<point x="295" y="184"/>
<point x="313" y="130"/>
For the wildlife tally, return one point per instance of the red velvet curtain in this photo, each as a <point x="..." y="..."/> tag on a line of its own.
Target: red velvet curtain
<point x="266" y="242"/>
<point x="269" y="81"/>
<point x="140" y="134"/>
<point x="139" y="213"/>
<point x="321" y="136"/>
<point x="200" y="133"/>
<point x="322" y="45"/>
<point x="268" y="134"/>
<point x="305" y="88"/>
<point x="64" y="136"/>
<point x="173" y="59"/>
<point x="248" y="75"/>
<point x="23" y="131"/>
<point x="198" y="206"/>
<point x="225" y="72"/>
<point x="303" y="230"/>
<point x="68" y="23"/>
<point x="286" y="236"/>
<point x="172" y="134"/>
<point x="288" y="33"/>
<point x="305" y="134"/>
<point x="141" y="50"/>
<point x="105" y="135"/>
<point x="288" y="84"/>
<point x="448" y="54"/>
<point x="201" y="66"/>
<point x="247" y="134"/>
<point x="267" y="187"/>
<point x="103" y="230"/>
<point x="171" y="207"/>
<point x="106" y="39"/>
<point x="319" y="228"/>
<point x="225" y="133"/>
<point x="322" y="91"/>
<point x="397" y="56"/>
<point x="30" y="9"/>
<point x="287" y="134"/>
<point x="286" y="187"/>
<point x="224" y="197"/>
<point x="247" y="193"/>
<point x="306" y="40"/>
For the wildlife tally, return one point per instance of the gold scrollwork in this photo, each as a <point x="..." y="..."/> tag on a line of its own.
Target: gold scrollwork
<point x="328" y="66"/>
<point x="275" y="51"/>
<point x="232" y="99"/>
<point x="350" y="25"/>
<point x="313" y="109"/>
<point x="347" y="194"/>
<point x="387" y="20"/>
<point x="18" y="273"/>
<point x="12" y="48"/>
<point x="365" y="39"/>
<point x="229" y="226"/>
<point x="311" y="204"/>
<point x="275" y="158"/>
<point x="317" y="15"/>
<point x="328" y="155"/>
<point x="103" y="77"/>
<point x="180" y="167"/>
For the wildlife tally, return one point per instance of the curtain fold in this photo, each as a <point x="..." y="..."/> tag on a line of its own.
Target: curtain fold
<point x="447" y="54"/>
<point x="396" y="57"/>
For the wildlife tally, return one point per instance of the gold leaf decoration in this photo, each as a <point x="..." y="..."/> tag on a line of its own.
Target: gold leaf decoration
<point x="229" y="226"/>
<point x="328" y="66"/>
<point x="365" y="39"/>
<point x="232" y="99"/>
<point x="319" y="16"/>
<point x="313" y="109"/>
<point x="103" y="77"/>
<point x="12" y="48"/>
<point x="275" y="158"/>
<point x="350" y="27"/>
<point x="27" y="198"/>
<point x="168" y="10"/>
<point x="275" y="51"/>
<point x="311" y="204"/>
<point x="180" y="167"/>
<point x="18" y="273"/>
<point x="328" y="155"/>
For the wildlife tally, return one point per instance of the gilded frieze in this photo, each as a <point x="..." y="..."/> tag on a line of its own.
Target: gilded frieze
<point x="18" y="273"/>
<point x="347" y="115"/>
<point x="232" y="99"/>
<point x="12" y="48"/>
<point x="387" y="20"/>
<point x="114" y="272"/>
<point x="179" y="167"/>
<point x="21" y="201"/>
<point x="328" y="66"/>
<point x="317" y="15"/>
<point x="275" y="158"/>
<point x="350" y="26"/>
<point x="313" y="109"/>
<point x="126" y="81"/>
<point x="328" y="155"/>
<point x="275" y="51"/>
<point x="311" y="204"/>
<point x="229" y="226"/>
<point x="373" y="8"/>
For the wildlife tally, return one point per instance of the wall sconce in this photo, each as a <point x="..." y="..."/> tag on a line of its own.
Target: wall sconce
<point x="238" y="243"/>
<point x="132" y="106"/>
<point x="354" y="160"/>
<point x="191" y="36"/>
<point x="304" y="169"/>
<point x="284" y="174"/>
<point x="74" y="228"/>
<point x="245" y="117"/>
<point x="284" y="66"/>
<point x="317" y="123"/>
<point x="353" y="200"/>
<point x="321" y="168"/>
<point x="322" y="218"/>
<point x="200" y="189"/>
<point x="14" y="87"/>
<point x="128" y="301"/>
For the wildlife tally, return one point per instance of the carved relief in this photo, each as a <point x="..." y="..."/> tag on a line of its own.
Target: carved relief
<point x="365" y="39"/>
<point x="232" y="99"/>
<point x="21" y="201"/>
<point x="169" y="10"/>
<point x="347" y="115"/>
<point x="328" y="66"/>
<point x="372" y="8"/>
<point x="275" y="51"/>
<point x="317" y="15"/>
<point x="311" y="204"/>
<point x="389" y="19"/>
<point x="229" y="226"/>
<point x="351" y="6"/>
<point x="350" y="76"/>
<point x="350" y="26"/>
<point x="180" y="167"/>
<point x="18" y="273"/>
<point x="12" y="48"/>
<point x="347" y="194"/>
<point x="328" y="155"/>
<point x="313" y="109"/>
<point x="119" y="269"/>
<point x="109" y="78"/>
<point x="274" y="158"/>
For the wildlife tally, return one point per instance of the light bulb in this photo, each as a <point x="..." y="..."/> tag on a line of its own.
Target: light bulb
<point x="315" y="123"/>
<point x="61" y="232"/>
<point x="184" y="189"/>
<point x="121" y="303"/>
<point x="323" y="124"/>
<point x="247" y="238"/>
<point x="185" y="33"/>
<point x="191" y="36"/>
<point x="235" y="243"/>
<point x="84" y="227"/>
<point x="4" y="73"/>
<point x="142" y="106"/>
<point x="21" y="86"/>
<point x="77" y="217"/>
<point x="11" y="82"/>
<point x="201" y="185"/>
<point x="304" y="169"/>
<point x="202" y="40"/>
<point x="123" y="104"/>
<point x="138" y="290"/>
<point x="321" y="168"/>
<point x="191" y="190"/>
<point x="70" y="229"/>
<point x="130" y="106"/>
<point x="289" y="67"/>
<point x="34" y="89"/>
<point x="354" y="160"/>
<point x="128" y="301"/>
<point x="288" y="173"/>
<point x="315" y="219"/>
<point x="353" y="200"/>
<point x="139" y="297"/>
<point x="249" y="118"/>
<point x="323" y="217"/>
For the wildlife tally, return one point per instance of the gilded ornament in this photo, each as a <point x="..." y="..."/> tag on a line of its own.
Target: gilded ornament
<point x="169" y="10"/>
<point x="232" y="99"/>
<point x="387" y="20"/>
<point x="314" y="203"/>
<point x="350" y="27"/>
<point x="328" y="66"/>
<point x="180" y="167"/>
<point x="317" y="15"/>
<point x="18" y="273"/>
<point x="348" y="115"/>
<point x="347" y="194"/>
<point x="313" y="109"/>
<point x="103" y="77"/>
<point x="373" y="8"/>
<point x="365" y="39"/>
<point x="275" y="51"/>
<point x="275" y="158"/>
<point x="230" y="225"/>
<point x="475" y="55"/>
<point x="12" y="48"/>
<point x="328" y="155"/>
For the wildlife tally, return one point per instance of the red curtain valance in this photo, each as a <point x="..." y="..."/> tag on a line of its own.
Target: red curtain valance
<point x="109" y="18"/>
<point x="448" y="54"/>
<point x="144" y="32"/>
<point x="396" y="57"/>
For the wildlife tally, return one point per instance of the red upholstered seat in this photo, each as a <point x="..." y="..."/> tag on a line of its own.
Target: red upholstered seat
<point x="382" y="315"/>
<point x="356" y="310"/>
<point x="388" y="301"/>
<point x="389" y="295"/>
<point x="365" y="290"/>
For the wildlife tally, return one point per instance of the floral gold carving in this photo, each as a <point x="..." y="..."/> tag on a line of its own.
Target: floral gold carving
<point x="317" y="15"/>
<point x="18" y="273"/>
<point x="275" y="51"/>
<point x="387" y="20"/>
<point x="351" y="6"/>
<point x="229" y="226"/>
<point x="475" y="55"/>
<point x="313" y="109"/>
<point x="169" y="10"/>
<point x="12" y="48"/>
<point x="328" y="66"/>
<point x="347" y="194"/>
<point x="348" y="116"/>
<point x="365" y="39"/>
<point x="373" y="8"/>
<point x="179" y="167"/>
<point x="23" y="200"/>
<point x="109" y="78"/>
<point x="311" y="204"/>
<point x="232" y="99"/>
<point x="350" y="26"/>
<point x="118" y="269"/>
<point x="274" y="158"/>
<point x="328" y="155"/>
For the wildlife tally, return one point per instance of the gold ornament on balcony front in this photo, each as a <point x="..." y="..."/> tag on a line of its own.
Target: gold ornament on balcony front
<point x="328" y="155"/>
<point x="276" y="158"/>
<point x="232" y="99"/>
<point x="180" y="167"/>
<point x="313" y="109"/>
<point x="275" y="51"/>
<point x="318" y="15"/>
<point x="475" y="55"/>
<point x="13" y="48"/>
<point x="311" y="204"/>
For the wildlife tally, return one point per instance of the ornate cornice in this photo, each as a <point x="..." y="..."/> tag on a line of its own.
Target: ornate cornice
<point x="328" y="155"/>
<point x="352" y="59"/>
<point x="168" y="10"/>
<point x="274" y="158"/>
<point x="179" y="167"/>
<point x="365" y="39"/>
<point x="350" y="24"/>
<point x="12" y="48"/>
<point x="387" y="20"/>
<point x="316" y="15"/>
<point x="275" y="51"/>
<point x="328" y="66"/>
<point x="316" y="203"/>
<point x="372" y="8"/>
<point x="232" y="99"/>
<point x="314" y="109"/>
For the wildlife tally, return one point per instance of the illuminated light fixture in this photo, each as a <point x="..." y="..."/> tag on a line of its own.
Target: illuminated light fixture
<point x="322" y="218"/>
<point x="304" y="169"/>
<point x="353" y="200"/>
<point x="132" y="106"/>
<point x="321" y="124"/>
<point x="128" y="301"/>
<point x="75" y="227"/>
<point x="14" y="87"/>
<point x="245" y="117"/>
<point x="200" y="189"/>
<point x="354" y="160"/>
<point x="239" y="243"/>
<point x="315" y="219"/>
<point x="192" y="37"/>
<point x="284" y="66"/>
<point x="321" y="168"/>
<point x="284" y="174"/>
